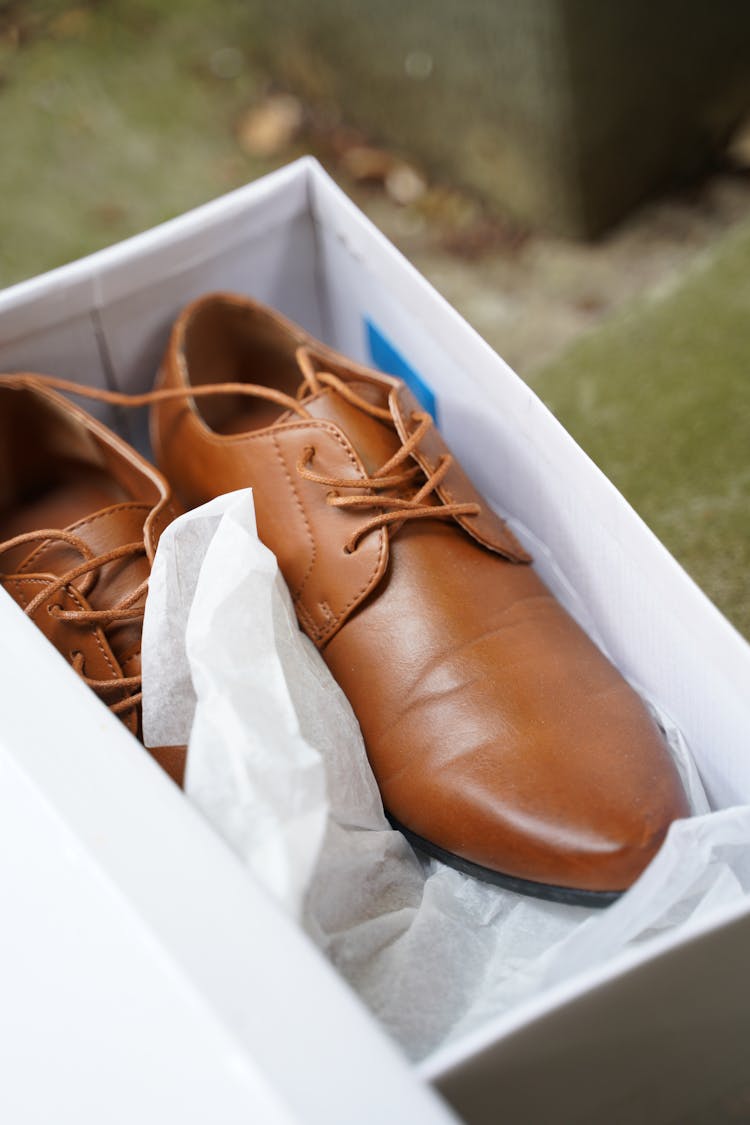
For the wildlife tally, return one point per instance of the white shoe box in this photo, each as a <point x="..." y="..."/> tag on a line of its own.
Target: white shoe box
<point x="144" y="977"/>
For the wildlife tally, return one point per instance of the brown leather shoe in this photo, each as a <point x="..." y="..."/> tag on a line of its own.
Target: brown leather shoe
<point x="80" y="516"/>
<point x="503" y="741"/>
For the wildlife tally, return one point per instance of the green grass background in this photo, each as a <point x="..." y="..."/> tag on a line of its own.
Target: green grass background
<point x="660" y="399"/>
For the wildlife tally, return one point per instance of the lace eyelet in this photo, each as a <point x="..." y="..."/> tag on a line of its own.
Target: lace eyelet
<point x="55" y="609"/>
<point x="307" y="455"/>
<point x="349" y="550"/>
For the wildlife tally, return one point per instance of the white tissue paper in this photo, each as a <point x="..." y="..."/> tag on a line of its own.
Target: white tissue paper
<point x="276" y="762"/>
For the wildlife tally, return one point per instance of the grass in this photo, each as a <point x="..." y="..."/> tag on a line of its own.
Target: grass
<point x="115" y="117"/>
<point x="660" y="399"/>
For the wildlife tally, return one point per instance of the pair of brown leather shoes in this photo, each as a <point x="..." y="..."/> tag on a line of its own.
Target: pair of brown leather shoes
<point x="80" y="516"/>
<point x="503" y="741"/>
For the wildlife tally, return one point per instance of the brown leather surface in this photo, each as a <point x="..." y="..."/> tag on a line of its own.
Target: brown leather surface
<point x="486" y="528"/>
<point x="496" y="729"/>
<point x="539" y="752"/>
<point x="63" y="470"/>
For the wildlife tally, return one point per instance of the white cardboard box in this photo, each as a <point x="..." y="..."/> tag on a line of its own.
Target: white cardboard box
<point x="143" y="976"/>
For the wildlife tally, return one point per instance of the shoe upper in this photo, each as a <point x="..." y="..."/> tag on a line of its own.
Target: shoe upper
<point x="496" y="729"/>
<point x="80" y="516"/>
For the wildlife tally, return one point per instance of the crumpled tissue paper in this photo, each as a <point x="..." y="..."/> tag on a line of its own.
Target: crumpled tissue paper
<point x="277" y="763"/>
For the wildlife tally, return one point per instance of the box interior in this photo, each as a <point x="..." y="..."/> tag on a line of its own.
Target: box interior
<point x="294" y="242"/>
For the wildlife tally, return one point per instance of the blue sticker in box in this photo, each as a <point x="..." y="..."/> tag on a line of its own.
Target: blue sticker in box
<point x="390" y="360"/>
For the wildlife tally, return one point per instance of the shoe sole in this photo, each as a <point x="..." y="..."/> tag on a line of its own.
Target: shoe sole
<point x="548" y="891"/>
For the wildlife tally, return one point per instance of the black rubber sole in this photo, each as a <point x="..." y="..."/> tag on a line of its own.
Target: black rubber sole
<point x="567" y="895"/>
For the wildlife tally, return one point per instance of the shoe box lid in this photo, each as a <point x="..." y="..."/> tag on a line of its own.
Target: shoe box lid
<point x="143" y="972"/>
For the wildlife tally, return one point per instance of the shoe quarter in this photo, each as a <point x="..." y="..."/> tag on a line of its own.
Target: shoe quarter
<point x="306" y="533"/>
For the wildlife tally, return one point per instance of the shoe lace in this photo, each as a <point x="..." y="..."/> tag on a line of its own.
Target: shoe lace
<point x="128" y="608"/>
<point x="392" y="477"/>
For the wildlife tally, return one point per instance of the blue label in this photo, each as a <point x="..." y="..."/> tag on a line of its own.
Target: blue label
<point x="388" y="359"/>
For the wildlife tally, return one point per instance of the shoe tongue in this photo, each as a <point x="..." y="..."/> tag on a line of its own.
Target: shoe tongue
<point x="374" y="441"/>
<point x="101" y="532"/>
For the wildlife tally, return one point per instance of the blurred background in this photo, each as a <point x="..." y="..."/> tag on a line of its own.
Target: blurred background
<point x="573" y="175"/>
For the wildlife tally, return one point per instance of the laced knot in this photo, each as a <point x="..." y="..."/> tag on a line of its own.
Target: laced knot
<point x="129" y="608"/>
<point x="385" y="487"/>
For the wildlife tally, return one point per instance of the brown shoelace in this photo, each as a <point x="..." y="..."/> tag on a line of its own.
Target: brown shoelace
<point x="393" y="476"/>
<point x="383" y="489"/>
<point x="128" y="608"/>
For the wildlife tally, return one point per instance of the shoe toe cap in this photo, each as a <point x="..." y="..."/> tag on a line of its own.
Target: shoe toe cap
<point x="581" y="799"/>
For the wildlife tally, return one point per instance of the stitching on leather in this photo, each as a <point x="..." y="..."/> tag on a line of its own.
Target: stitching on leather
<point x="126" y="506"/>
<point x="297" y="593"/>
<point x="166" y="515"/>
<point x="88" y="520"/>
<point x="316" y="425"/>
<point x="337" y="435"/>
<point x="315" y="631"/>
<point x="336" y="618"/>
<point x="327" y="612"/>
<point x="33" y="582"/>
<point x="307" y="620"/>
<point x="20" y="597"/>
<point x="162" y="517"/>
<point x="221" y="440"/>
<point x="73" y="597"/>
<point x="326" y="633"/>
<point x="94" y="633"/>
